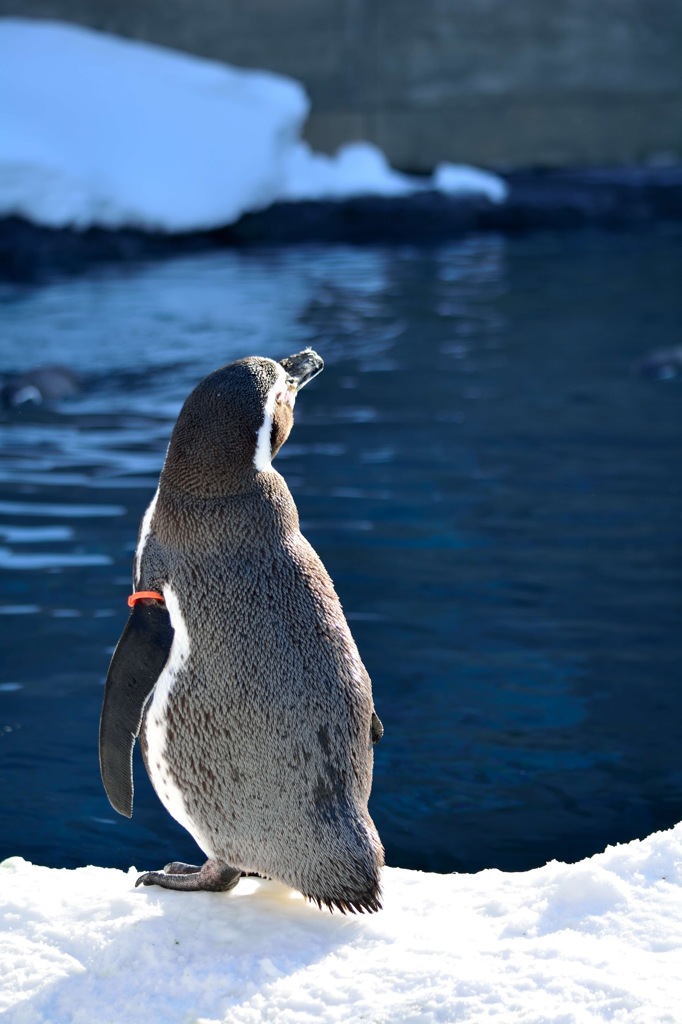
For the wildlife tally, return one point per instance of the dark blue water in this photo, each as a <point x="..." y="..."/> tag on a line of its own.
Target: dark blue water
<point x="495" y="492"/>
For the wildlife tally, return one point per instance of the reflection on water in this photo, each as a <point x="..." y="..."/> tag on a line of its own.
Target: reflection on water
<point x="495" y="493"/>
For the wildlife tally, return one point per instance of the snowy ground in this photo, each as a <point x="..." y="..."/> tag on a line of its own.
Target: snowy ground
<point x="104" y="131"/>
<point x="564" y="944"/>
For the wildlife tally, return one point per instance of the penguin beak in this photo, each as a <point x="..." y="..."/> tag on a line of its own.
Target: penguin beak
<point x="302" y="367"/>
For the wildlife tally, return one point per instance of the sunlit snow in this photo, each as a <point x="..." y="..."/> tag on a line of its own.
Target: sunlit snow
<point x="99" y="130"/>
<point x="564" y="944"/>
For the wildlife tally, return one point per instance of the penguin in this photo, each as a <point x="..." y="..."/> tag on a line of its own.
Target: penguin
<point x="662" y="363"/>
<point x="43" y="385"/>
<point x="236" y="667"/>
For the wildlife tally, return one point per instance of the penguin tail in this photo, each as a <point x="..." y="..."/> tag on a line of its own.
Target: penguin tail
<point x="364" y="903"/>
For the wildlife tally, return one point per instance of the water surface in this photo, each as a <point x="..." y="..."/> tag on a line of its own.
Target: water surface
<point x="495" y="492"/>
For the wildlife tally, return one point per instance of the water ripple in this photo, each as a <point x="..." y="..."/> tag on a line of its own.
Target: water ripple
<point x="496" y="495"/>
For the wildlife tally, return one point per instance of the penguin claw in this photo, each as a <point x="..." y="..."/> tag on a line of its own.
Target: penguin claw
<point x="150" y="878"/>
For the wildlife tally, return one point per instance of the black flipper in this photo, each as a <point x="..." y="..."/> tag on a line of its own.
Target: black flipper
<point x="377" y="728"/>
<point x="137" y="663"/>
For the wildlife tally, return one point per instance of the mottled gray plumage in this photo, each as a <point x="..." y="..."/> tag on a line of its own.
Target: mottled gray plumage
<point x="269" y="721"/>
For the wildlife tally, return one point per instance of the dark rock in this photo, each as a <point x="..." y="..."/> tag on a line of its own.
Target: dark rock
<point x="556" y="199"/>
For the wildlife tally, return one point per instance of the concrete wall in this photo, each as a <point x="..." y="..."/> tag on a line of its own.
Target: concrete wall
<point x="496" y="82"/>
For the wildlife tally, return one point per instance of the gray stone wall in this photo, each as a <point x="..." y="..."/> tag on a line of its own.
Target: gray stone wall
<point x="502" y="83"/>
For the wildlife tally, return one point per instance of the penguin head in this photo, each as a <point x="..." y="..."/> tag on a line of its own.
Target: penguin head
<point x="234" y="422"/>
<point x="43" y="385"/>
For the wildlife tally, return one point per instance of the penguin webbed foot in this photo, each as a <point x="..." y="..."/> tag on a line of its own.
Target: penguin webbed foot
<point x="178" y="867"/>
<point x="213" y="876"/>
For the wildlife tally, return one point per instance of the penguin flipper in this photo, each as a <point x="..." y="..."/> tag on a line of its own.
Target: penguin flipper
<point x="376" y="728"/>
<point x="137" y="663"/>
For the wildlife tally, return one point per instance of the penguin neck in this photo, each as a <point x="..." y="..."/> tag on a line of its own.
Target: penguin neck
<point x="195" y="470"/>
<point x="264" y="497"/>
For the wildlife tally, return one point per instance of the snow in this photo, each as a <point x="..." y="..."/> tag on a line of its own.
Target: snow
<point x="360" y="168"/>
<point x="459" y="179"/>
<point x="563" y="944"/>
<point x="99" y="130"/>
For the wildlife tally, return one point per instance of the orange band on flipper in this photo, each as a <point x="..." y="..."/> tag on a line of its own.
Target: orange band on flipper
<point x="140" y="594"/>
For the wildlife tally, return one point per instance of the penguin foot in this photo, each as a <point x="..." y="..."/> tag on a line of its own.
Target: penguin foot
<point x="214" y="876"/>
<point x="178" y="867"/>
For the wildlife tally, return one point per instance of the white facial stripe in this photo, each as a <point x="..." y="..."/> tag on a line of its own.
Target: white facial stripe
<point x="262" y="458"/>
<point x="157" y="721"/>
<point x="144" y="534"/>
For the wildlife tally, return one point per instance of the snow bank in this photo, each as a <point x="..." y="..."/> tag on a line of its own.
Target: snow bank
<point x="99" y="130"/>
<point x="359" y="168"/>
<point x="564" y="944"/>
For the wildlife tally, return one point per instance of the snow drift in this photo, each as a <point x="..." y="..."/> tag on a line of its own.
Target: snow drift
<point x="104" y="131"/>
<point x="563" y="944"/>
<point x="112" y="132"/>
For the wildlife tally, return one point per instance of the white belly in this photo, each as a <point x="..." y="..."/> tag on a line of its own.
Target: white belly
<point x="156" y="721"/>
